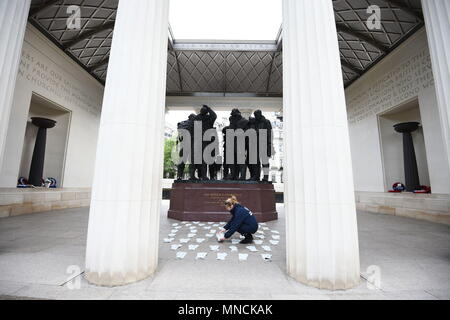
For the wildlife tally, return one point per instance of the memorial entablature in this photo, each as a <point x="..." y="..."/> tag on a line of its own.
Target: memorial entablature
<point x="361" y="90"/>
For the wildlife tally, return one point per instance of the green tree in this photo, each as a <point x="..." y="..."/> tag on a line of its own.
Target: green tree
<point x="170" y="170"/>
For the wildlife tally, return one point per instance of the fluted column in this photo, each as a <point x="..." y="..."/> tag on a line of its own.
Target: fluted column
<point x="437" y="24"/>
<point x="122" y="244"/>
<point x="322" y="236"/>
<point x="13" y="22"/>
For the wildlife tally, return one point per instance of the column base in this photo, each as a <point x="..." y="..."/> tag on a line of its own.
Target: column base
<point x="327" y="285"/>
<point x="115" y="280"/>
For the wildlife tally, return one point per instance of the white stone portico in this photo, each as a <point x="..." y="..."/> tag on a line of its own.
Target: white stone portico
<point x="327" y="257"/>
<point x="338" y="105"/>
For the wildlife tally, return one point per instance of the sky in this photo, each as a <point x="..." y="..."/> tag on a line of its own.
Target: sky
<point x="221" y="20"/>
<point x="225" y="19"/>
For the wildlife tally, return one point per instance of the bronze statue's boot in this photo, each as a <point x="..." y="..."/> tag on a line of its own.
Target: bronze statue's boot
<point x="242" y="172"/>
<point x="226" y="172"/>
<point x="234" y="173"/>
<point x="212" y="173"/>
<point x="258" y="173"/>
<point x="180" y="171"/>
<point x="251" y="169"/>
<point x="192" y="173"/>
<point x="203" y="172"/>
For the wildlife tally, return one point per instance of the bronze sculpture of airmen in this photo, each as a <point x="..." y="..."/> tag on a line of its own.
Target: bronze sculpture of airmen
<point x="238" y="170"/>
<point x="226" y="166"/>
<point x="261" y="123"/>
<point x="189" y="126"/>
<point x="237" y="153"/>
<point x="207" y="117"/>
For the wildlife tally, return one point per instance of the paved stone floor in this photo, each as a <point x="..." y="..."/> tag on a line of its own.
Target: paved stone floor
<point x="42" y="257"/>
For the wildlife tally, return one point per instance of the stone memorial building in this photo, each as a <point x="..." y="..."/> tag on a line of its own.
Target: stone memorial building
<point x="340" y="74"/>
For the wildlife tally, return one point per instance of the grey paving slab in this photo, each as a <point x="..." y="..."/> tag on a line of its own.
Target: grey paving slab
<point x="36" y="250"/>
<point x="68" y="249"/>
<point x="409" y="295"/>
<point x="53" y="292"/>
<point x="29" y="244"/>
<point x="10" y="287"/>
<point x="223" y="296"/>
<point x="442" y="294"/>
<point x="37" y="268"/>
<point x="299" y="297"/>
<point x="221" y="277"/>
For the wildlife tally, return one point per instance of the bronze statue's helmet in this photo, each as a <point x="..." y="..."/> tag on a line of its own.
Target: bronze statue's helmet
<point x="258" y="114"/>
<point x="235" y="112"/>
<point x="204" y="110"/>
<point x="192" y="116"/>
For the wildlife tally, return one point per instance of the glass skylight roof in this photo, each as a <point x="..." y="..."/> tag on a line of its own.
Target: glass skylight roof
<point x="225" y="19"/>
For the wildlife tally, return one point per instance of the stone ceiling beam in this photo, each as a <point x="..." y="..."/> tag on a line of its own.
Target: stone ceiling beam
<point x="41" y="8"/>
<point x="88" y="34"/>
<point x="99" y="64"/>
<point x="351" y="67"/>
<point x="362" y="37"/>
<point x="405" y="9"/>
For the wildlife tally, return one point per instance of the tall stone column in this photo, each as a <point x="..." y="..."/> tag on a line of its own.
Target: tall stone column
<point x="322" y="236"/>
<point x="437" y="24"/>
<point x="123" y="233"/>
<point x="13" y="22"/>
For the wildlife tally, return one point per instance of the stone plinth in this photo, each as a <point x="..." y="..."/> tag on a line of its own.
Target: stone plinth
<point x="204" y="201"/>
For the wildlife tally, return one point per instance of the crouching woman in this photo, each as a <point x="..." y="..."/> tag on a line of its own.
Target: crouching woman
<point x="243" y="221"/>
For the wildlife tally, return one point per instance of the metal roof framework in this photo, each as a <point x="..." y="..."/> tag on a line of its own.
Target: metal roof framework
<point x="251" y="68"/>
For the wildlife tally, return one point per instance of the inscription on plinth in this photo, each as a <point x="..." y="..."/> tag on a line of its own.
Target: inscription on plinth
<point x="218" y="198"/>
<point x="205" y="201"/>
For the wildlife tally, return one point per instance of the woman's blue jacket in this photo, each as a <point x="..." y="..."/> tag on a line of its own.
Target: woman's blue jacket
<point x="242" y="220"/>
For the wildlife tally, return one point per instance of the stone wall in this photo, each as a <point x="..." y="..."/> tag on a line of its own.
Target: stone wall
<point x="47" y="72"/>
<point x="430" y="207"/>
<point x="403" y="76"/>
<point x="14" y="202"/>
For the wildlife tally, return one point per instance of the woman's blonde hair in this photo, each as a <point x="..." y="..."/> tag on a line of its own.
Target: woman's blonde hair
<point x="232" y="200"/>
